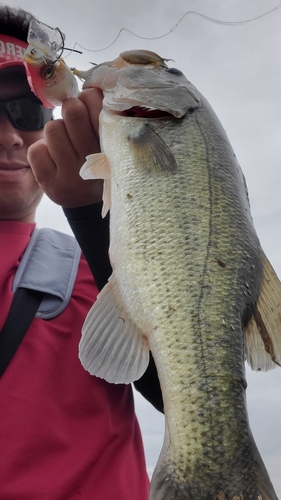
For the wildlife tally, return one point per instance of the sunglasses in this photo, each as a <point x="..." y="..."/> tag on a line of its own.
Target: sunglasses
<point x="26" y="112"/>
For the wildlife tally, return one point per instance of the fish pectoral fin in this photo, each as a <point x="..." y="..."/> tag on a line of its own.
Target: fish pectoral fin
<point x="150" y="151"/>
<point x="111" y="346"/>
<point x="263" y="332"/>
<point x="96" y="166"/>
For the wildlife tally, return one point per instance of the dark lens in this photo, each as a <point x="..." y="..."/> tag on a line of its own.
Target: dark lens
<point x="27" y="113"/>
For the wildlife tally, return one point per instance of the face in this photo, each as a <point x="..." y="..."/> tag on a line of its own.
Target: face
<point x="19" y="191"/>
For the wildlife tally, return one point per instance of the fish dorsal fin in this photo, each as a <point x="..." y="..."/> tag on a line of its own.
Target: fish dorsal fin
<point x="263" y="332"/>
<point x="111" y="346"/>
<point x="96" y="166"/>
<point x="143" y="57"/>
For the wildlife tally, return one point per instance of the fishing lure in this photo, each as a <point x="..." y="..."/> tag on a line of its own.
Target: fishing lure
<point x="49" y="77"/>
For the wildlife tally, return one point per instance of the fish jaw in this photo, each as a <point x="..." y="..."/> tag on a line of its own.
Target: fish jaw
<point x="51" y="82"/>
<point x="152" y="85"/>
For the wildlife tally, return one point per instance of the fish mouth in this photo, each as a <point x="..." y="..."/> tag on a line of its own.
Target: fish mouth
<point x="144" y="112"/>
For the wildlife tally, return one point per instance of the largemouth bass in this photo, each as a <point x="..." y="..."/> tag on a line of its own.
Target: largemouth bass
<point x="190" y="281"/>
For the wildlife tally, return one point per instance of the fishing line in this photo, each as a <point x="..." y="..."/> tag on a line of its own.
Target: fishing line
<point x="190" y="12"/>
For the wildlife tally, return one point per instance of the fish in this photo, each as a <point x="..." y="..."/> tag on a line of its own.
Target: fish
<point x="190" y="281"/>
<point x="48" y="75"/>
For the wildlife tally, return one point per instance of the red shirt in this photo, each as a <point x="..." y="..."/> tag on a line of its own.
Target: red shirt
<point x="64" y="434"/>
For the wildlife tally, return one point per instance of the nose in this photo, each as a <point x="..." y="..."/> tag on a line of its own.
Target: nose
<point x="10" y="137"/>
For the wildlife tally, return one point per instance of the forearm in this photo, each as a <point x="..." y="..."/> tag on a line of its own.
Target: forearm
<point x="92" y="234"/>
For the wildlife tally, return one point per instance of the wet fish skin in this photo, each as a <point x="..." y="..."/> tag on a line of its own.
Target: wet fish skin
<point x="187" y="272"/>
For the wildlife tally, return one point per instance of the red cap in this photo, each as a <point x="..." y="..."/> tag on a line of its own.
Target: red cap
<point x="11" y="51"/>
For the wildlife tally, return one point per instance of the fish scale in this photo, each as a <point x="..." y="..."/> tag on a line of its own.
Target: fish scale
<point x="187" y="277"/>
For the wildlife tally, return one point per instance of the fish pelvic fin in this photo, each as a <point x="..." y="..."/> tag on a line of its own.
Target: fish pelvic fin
<point x="150" y="151"/>
<point x="96" y="166"/>
<point x="112" y="347"/>
<point x="263" y="332"/>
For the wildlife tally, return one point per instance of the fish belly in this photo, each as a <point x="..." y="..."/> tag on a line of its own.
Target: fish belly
<point x="187" y="263"/>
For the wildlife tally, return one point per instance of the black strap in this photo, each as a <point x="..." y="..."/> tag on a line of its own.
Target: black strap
<point x="23" y="309"/>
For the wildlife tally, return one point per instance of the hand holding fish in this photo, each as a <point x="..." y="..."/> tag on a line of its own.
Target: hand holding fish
<point x="57" y="159"/>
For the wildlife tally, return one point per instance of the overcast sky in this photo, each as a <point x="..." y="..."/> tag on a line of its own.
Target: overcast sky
<point x="238" y="69"/>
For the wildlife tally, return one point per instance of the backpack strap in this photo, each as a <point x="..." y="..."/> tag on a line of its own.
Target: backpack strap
<point x="24" y="306"/>
<point x="42" y="286"/>
<point x="49" y="265"/>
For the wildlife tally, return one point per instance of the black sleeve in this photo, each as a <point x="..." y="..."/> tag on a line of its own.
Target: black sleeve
<point x="92" y="234"/>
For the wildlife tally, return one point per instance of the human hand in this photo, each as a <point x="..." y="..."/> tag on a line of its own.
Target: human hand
<point x="57" y="158"/>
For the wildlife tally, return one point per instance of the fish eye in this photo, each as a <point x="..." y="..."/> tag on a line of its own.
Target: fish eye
<point x="48" y="71"/>
<point x="175" y="71"/>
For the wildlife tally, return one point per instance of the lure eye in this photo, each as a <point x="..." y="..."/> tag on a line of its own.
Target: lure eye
<point x="48" y="71"/>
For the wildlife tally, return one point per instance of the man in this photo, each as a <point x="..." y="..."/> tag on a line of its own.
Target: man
<point x="63" y="433"/>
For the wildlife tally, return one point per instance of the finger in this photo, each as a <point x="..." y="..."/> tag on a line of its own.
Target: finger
<point x="59" y="144"/>
<point x="92" y="98"/>
<point x="77" y="120"/>
<point x="43" y="167"/>
<point x="54" y="162"/>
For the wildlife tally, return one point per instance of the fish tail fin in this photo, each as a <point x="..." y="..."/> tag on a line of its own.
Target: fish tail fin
<point x="263" y="332"/>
